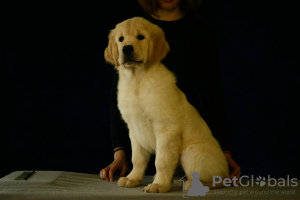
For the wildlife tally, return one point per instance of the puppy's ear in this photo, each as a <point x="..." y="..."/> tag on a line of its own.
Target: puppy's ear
<point x="111" y="53"/>
<point x="158" y="46"/>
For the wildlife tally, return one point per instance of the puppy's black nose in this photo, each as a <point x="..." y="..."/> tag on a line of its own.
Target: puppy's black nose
<point x="128" y="49"/>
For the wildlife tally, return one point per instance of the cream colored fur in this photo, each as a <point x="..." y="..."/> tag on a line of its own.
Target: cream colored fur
<point x="160" y="119"/>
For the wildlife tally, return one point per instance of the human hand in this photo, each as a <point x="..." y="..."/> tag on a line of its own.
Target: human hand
<point x="234" y="168"/>
<point x="119" y="163"/>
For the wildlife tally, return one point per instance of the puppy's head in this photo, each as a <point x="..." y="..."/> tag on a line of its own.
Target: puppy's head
<point x="135" y="42"/>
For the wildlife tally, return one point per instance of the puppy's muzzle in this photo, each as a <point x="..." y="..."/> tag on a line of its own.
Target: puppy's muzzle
<point x="129" y="57"/>
<point x="128" y="50"/>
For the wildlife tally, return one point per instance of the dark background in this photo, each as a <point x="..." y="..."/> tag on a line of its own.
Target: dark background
<point x="55" y="97"/>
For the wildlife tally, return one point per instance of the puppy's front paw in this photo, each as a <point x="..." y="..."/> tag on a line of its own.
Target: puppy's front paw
<point x="157" y="188"/>
<point x="126" y="182"/>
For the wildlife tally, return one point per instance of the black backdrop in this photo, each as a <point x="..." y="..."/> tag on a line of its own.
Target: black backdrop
<point x="55" y="97"/>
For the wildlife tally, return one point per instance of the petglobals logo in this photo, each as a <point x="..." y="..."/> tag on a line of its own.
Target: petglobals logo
<point x="193" y="187"/>
<point x="260" y="181"/>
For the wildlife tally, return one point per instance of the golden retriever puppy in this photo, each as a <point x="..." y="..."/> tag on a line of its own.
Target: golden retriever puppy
<point x="160" y="119"/>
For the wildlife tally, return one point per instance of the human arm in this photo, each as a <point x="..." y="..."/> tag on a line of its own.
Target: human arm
<point x="119" y="138"/>
<point x="234" y="168"/>
<point x="119" y="163"/>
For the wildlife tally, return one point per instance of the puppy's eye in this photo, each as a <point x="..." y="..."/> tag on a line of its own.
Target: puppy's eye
<point x="140" y="37"/>
<point x="121" y="39"/>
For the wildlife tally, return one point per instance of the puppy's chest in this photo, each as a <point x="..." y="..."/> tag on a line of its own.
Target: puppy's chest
<point x="136" y="98"/>
<point x="135" y="107"/>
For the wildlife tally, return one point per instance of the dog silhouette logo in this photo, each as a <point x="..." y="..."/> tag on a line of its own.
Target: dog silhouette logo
<point x="196" y="187"/>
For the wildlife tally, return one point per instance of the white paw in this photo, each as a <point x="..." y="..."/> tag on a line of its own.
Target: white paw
<point x="126" y="182"/>
<point x="157" y="188"/>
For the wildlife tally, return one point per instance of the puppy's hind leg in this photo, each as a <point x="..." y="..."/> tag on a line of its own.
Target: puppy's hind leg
<point x="207" y="160"/>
